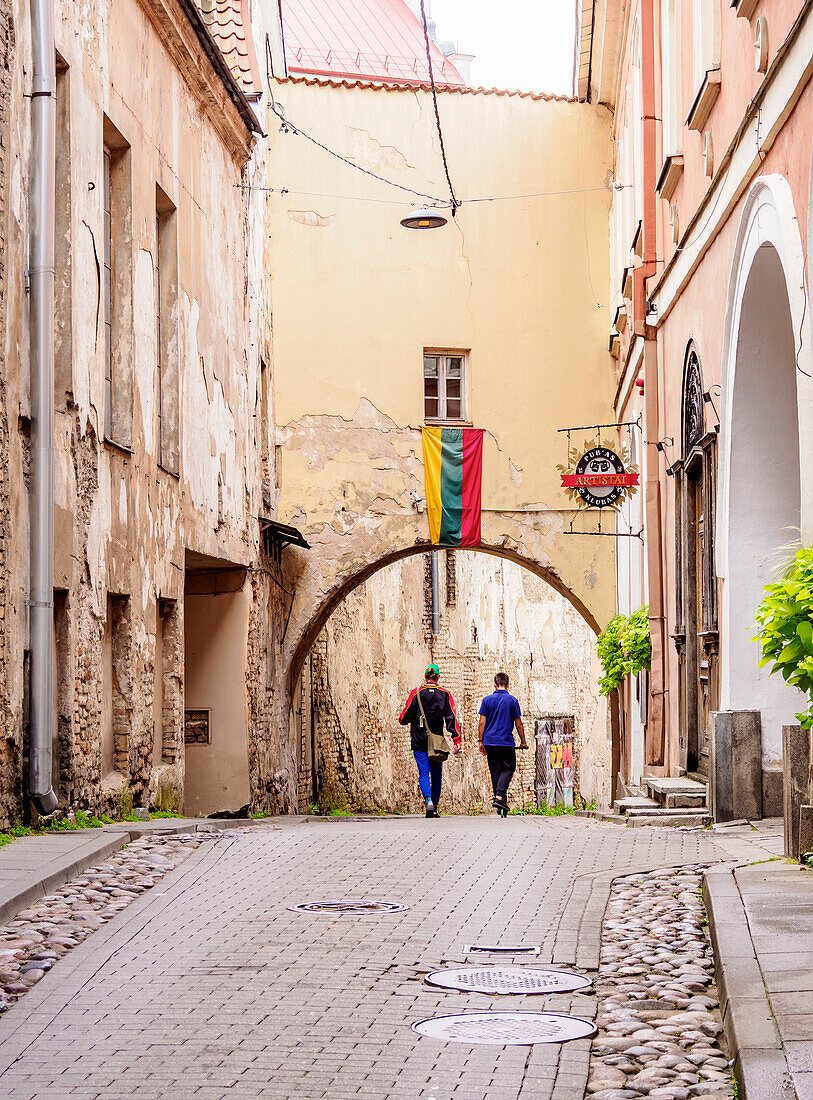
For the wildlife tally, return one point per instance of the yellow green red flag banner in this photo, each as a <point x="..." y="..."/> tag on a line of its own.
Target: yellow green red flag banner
<point x="453" y="465"/>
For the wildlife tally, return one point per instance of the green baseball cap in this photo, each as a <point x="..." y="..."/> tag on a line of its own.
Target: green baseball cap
<point x="433" y="670"/>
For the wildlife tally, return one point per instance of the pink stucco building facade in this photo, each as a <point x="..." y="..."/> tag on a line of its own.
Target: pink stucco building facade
<point x="711" y="326"/>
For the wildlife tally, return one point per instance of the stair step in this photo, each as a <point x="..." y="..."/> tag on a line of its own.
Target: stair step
<point x="676" y="792"/>
<point x="694" y="819"/>
<point x="684" y="799"/>
<point x="670" y="784"/>
<point x="632" y="802"/>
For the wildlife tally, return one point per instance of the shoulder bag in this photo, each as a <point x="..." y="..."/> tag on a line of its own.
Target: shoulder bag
<point x="437" y="747"/>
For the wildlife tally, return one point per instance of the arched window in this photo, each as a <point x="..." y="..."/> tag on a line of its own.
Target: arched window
<point x="694" y="417"/>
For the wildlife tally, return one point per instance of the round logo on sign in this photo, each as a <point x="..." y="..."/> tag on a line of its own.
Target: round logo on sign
<point x="598" y="464"/>
<point x="599" y="478"/>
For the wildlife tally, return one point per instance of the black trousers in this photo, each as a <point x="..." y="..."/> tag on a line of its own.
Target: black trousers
<point x="502" y="763"/>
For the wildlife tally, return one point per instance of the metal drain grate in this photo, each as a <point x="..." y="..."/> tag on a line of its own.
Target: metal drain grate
<point x="508" y="979"/>
<point x="506" y="1028"/>
<point x="357" y="908"/>
<point x="493" y="949"/>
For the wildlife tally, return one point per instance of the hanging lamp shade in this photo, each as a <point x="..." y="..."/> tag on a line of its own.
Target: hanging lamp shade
<point x="423" y="219"/>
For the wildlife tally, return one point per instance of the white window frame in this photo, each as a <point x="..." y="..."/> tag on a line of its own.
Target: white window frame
<point x="443" y="355"/>
<point x="671" y="77"/>
<point x="706" y="39"/>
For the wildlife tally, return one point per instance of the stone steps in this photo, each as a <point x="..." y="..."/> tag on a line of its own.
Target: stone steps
<point x="667" y="802"/>
<point x="654" y="815"/>
<point x="678" y="793"/>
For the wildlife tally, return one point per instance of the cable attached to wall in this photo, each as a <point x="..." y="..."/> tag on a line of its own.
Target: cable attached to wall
<point x="288" y="127"/>
<point x="455" y="203"/>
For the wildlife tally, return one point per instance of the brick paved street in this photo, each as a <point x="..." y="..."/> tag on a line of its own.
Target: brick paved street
<point x="207" y="986"/>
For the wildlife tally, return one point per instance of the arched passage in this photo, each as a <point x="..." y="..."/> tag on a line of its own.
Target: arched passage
<point x="334" y="598"/>
<point x="761" y="479"/>
<point x="367" y="646"/>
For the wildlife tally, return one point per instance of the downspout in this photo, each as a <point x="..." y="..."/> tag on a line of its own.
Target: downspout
<point x="655" y="750"/>
<point x="433" y="558"/>
<point x="41" y="350"/>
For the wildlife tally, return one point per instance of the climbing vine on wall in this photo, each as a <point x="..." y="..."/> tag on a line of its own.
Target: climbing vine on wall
<point x="624" y="649"/>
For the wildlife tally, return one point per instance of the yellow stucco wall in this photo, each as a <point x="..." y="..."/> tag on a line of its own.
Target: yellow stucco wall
<point x="519" y="283"/>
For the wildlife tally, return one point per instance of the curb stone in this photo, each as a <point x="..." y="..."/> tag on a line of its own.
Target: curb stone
<point x="760" y="1065"/>
<point x="99" y="845"/>
<point x="47" y="999"/>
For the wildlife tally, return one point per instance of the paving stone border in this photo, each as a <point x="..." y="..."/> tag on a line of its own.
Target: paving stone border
<point x="750" y="1026"/>
<point x="660" y="1031"/>
<point x="40" y="935"/>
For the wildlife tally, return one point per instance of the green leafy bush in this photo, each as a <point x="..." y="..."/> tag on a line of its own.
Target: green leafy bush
<point x="624" y="649"/>
<point x="611" y="655"/>
<point x="785" y="628"/>
<point x="636" y="642"/>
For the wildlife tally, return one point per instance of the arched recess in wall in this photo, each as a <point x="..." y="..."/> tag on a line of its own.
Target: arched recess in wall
<point x="766" y="412"/>
<point x="332" y="601"/>
<point x="337" y="683"/>
<point x="696" y="635"/>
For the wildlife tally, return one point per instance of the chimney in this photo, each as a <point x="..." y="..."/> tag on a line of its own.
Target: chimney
<point x="462" y="62"/>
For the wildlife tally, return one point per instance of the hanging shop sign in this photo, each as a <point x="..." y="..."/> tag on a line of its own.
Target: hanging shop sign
<point x="598" y="477"/>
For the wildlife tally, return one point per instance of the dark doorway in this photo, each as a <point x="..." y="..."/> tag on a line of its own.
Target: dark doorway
<point x="696" y="637"/>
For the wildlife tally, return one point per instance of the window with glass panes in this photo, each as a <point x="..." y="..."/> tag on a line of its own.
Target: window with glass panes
<point x="444" y="386"/>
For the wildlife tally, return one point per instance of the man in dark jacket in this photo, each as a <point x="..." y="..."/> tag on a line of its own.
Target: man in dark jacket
<point x="438" y="707"/>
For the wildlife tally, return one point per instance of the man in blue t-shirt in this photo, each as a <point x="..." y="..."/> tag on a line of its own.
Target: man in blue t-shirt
<point x="499" y="713"/>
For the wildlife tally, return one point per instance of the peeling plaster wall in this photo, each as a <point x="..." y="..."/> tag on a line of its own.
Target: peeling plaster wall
<point x="124" y="525"/>
<point x="522" y="285"/>
<point x="9" y="745"/>
<point x="495" y="615"/>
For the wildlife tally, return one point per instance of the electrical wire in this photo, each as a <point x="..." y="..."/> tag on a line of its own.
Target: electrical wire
<point x="455" y="203"/>
<point x="403" y="202"/>
<point x="289" y="127"/>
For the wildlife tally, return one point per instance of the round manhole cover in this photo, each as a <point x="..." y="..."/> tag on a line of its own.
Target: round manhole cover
<point x="506" y="1028"/>
<point x="348" y="907"/>
<point x="508" y="979"/>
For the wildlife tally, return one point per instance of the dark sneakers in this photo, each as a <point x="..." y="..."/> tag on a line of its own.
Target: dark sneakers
<point x="501" y="806"/>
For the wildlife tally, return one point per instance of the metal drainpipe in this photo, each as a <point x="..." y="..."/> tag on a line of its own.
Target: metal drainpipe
<point x="435" y="592"/>
<point x="41" y="338"/>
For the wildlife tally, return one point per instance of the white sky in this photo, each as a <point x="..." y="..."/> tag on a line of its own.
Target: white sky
<point x="526" y="45"/>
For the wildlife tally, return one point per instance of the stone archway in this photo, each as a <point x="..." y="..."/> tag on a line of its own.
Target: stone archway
<point x="355" y="489"/>
<point x="370" y="640"/>
<point x="765" y="410"/>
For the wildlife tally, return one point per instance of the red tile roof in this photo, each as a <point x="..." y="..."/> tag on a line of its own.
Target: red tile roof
<point x="229" y="23"/>
<point x="461" y="89"/>
<point x="374" y="40"/>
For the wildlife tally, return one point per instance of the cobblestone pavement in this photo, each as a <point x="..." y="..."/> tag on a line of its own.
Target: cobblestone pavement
<point x="208" y="987"/>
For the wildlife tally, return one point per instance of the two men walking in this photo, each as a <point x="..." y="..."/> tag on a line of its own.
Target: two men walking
<point x="430" y="709"/>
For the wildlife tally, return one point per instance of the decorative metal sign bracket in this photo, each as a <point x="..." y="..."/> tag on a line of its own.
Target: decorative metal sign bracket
<point x="601" y="476"/>
<point x="605" y="534"/>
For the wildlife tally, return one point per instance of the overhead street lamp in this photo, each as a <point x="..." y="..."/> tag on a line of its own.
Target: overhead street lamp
<point x="423" y="219"/>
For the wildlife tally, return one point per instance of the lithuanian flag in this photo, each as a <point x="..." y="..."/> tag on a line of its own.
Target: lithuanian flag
<point x="453" y="461"/>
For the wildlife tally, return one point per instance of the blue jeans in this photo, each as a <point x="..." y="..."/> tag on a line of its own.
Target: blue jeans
<point x="429" y="776"/>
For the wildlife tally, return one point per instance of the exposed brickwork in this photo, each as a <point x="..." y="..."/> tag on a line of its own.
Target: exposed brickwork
<point x="125" y="530"/>
<point x="269" y="602"/>
<point x="171" y="612"/>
